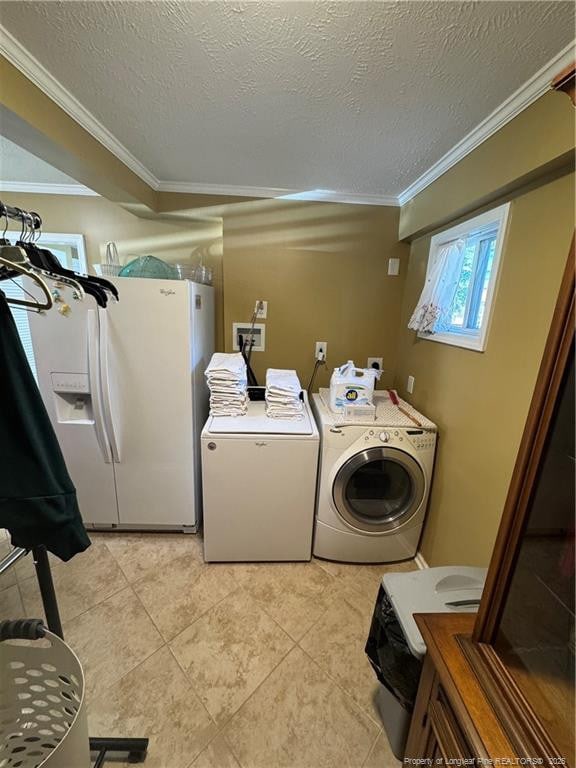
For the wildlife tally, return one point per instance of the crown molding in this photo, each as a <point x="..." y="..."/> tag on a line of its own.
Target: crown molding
<point x="26" y="187"/>
<point x="23" y="60"/>
<point x="329" y="196"/>
<point x="313" y="195"/>
<point x="192" y="188"/>
<point x="527" y="94"/>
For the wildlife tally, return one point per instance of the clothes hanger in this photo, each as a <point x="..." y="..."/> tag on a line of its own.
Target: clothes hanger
<point x="101" y="281"/>
<point x="39" y="262"/>
<point x="87" y="283"/>
<point x="20" y="256"/>
<point x="45" y="263"/>
<point x="52" y="264"/>
<point x="53" y="267"/>
<point x="98" y="281"/>
<point x="49" y="263"/>
<point x="13" y="253"/>
<point x="20" y="269"/>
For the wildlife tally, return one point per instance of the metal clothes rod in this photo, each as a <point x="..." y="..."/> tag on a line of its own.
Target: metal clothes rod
<point x="45" y="583"/>
<point x="47" y="591"/>
<point x="12" y="558"/>
<point x="19" y="214"/>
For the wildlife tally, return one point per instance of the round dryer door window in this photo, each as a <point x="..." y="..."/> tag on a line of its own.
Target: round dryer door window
<point x="378" y="489"/>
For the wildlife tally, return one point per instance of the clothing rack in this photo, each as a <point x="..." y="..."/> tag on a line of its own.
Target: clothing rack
<point x="27" y="257"/>
<point x="45" y="583"/>
<point x="31" y="218"/>
<point x="137" y="747"/>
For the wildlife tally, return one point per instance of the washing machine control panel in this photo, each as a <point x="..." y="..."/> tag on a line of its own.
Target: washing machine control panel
<point x="389" y="436"/>
<point x="420" y="439"/>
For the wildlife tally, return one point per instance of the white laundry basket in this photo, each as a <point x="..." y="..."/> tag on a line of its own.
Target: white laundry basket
<point x="42" y="704"/>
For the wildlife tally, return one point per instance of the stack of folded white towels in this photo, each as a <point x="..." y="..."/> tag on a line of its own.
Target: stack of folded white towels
<point x="283" y="394"/>
<point x="227" y="381"/>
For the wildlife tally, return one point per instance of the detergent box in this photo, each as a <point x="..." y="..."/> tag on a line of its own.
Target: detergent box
<point x="351" y="386"/>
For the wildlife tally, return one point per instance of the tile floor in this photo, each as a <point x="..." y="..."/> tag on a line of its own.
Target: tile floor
<point x="221" y="666"/>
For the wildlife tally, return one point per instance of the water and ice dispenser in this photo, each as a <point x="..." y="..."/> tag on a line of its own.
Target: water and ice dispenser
<point x="72" y="398"/>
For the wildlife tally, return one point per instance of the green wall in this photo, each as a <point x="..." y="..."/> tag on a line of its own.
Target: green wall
<point x="480" y="400"/>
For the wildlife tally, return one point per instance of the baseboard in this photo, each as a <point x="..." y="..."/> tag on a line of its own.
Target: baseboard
<point x="420" y="562"/>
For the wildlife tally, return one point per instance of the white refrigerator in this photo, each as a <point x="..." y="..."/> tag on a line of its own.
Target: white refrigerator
<point x="125" y="390"/>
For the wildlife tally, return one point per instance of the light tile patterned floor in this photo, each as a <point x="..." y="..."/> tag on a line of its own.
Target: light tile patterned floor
<point x="221" y="666"/>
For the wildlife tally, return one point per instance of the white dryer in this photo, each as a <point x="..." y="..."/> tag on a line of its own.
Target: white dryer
<point x="374" y="482"/>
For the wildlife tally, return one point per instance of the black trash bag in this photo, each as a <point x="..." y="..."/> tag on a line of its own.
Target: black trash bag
<point x="389" y="654"/>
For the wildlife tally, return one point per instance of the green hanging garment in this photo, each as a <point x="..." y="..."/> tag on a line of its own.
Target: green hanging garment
<point x="37" y="498"/>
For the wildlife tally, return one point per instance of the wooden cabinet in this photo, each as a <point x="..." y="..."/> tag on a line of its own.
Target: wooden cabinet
<point x="453" y="720"/>
<point x="446" y="735"/>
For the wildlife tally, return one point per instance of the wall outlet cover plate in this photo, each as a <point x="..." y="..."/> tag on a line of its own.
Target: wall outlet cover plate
<point x="243" y="329"/>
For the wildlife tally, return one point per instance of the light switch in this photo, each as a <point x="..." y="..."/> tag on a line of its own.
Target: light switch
<point x="393" y="266"/>
<point x="410" y="384"/>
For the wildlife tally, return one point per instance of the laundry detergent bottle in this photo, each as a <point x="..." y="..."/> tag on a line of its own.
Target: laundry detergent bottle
<point x="352" y="386"/>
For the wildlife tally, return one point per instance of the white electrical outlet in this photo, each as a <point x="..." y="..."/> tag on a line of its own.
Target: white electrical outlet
<point x="410" y="384"/>
<point x="374" y="362"/>
<point x="263" y="311"/>
<point x="321" y="350"/>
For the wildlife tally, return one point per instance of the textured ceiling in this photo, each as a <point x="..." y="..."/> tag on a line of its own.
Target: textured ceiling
<point x="16" y="164"/>
<point x="357" y="97"/>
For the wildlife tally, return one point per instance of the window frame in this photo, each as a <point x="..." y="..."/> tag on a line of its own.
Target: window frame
<point x="496" y="218"/>
<point x="67" y="238"/>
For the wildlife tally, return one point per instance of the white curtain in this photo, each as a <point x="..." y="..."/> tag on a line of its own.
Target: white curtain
<point x="432" y="313"/>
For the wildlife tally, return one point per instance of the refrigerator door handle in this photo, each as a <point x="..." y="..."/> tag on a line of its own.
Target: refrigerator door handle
<point x="106" y="394"/>
<point x="95" y="389"/>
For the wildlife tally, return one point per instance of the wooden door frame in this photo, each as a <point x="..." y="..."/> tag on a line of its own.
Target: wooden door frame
<point x="558" y="346"/>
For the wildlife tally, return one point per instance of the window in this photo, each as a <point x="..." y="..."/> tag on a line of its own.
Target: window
<point x="469" y="276"/>
<point x="69" y="250"/>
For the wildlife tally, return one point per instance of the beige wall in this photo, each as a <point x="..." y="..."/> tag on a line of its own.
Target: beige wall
<point x="480" y="400"/>
<point x="539" y="141"/>
<point x="100" y="220"/>
<point x="323" y="270"/>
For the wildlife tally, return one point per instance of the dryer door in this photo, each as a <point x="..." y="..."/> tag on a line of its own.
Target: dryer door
<point x="379" y="489"/>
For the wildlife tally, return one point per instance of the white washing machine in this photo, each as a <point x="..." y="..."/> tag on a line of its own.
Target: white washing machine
<point x="259" y="485"/>
<point x="374" y="482"/>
